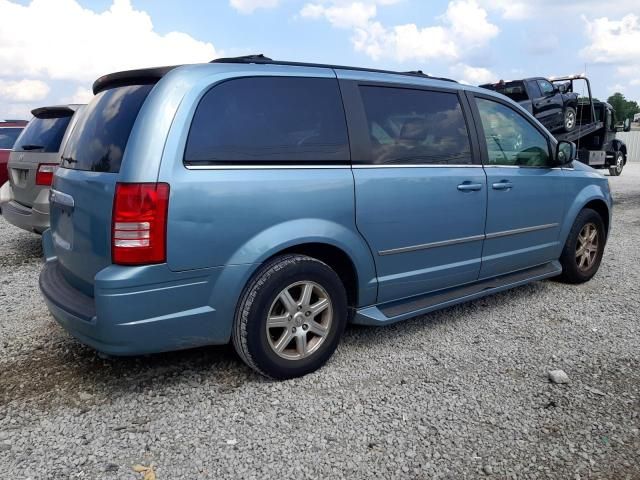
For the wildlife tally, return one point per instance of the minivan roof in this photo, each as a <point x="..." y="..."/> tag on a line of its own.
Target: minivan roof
<point x="153" y="75"/>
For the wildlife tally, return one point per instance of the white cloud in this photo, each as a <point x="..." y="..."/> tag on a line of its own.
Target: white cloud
<point x="81" y="95"/>
<point x="20" y="111"/>
<point x="472" y="75"/>
<point x="468" y="22"/>
<point x="62" y="40"/>
<point x="249" y="6"/>
<point x="463" y="27"/>
<point x="23" y="90"/>
<point x="552" y="9"/>
<point x="613" y="41"/>
<point x="352" y="15"/>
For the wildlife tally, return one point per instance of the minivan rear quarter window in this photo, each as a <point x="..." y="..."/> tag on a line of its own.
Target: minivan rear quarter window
<point x="43" y="135"/>
<point x="269" y="120"/>
<point x="101" y="133"/>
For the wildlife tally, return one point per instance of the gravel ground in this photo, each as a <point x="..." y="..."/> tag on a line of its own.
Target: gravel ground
<point x="462" y="393"/>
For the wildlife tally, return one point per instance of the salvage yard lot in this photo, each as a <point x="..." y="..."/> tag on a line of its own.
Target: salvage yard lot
<point x="459" y="393"/>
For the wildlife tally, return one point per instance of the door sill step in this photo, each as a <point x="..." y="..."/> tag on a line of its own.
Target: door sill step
<point x="410" y="307"/>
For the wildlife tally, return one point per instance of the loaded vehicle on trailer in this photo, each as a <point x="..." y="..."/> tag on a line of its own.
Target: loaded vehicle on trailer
<point x="595" y="132"/>
<point x="555" y="106"/>
<point x="589" y="123"/>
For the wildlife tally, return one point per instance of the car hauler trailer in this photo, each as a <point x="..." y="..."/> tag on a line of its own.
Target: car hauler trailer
<point x="595" y="132"/>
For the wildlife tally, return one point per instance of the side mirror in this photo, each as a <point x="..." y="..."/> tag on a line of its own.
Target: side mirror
<point x="626" y="125"/>
<point x="566" y="152"/>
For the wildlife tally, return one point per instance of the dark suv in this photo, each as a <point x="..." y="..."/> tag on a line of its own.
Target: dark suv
<point x="553" y="105"/>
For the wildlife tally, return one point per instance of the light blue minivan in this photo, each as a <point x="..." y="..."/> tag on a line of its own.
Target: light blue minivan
<point x="271" y="203"/>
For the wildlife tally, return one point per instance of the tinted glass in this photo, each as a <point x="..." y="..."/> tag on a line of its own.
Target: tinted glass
<point x="534" y="89"/>
<point x="102" y="131"/>
<point x="43" y="135"/>
<point x="514" y="90"/>
<point x="545" y="86"/>
<point x="415" y="127"/>
<point x="8" y="137"/>
<point x="272" y="120"/>
<point x="511" y="139"/>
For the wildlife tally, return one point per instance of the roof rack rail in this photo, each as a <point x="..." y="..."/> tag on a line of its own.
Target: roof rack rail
<point x="261" y="59"/>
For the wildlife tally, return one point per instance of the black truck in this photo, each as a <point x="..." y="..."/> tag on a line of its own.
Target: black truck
<point x="553" y="104"/>
<point x="590" y="124"/>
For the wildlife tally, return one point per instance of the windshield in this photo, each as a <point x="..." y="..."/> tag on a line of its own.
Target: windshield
<point x="8" y="136"/>
<point x="43" y="135"/>
<point x="102" y="130"/>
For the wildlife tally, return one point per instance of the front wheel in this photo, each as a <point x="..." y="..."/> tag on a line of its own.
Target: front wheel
<point x="584" y="248"/>
<point x="290" y="317"/>
<point x="569" y="119"/>
<point x="616" y="169"/>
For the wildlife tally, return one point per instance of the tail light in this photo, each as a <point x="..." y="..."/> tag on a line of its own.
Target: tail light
<point x="44" y="174"/>
<point x="139" y="223"/>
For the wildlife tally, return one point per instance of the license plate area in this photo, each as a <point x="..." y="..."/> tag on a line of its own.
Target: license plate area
<point x="20" y="176"/>
<point x="63" y="231"/>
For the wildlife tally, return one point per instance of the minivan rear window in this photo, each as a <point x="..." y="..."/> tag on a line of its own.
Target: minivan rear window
<point x="8" y="137"/>
<point x="269" y="120"/>
<point x="43" y="135"/>
<point x="101" y="133"/>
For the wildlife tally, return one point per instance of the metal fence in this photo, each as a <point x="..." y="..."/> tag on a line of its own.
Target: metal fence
<point x="632" y="139"/>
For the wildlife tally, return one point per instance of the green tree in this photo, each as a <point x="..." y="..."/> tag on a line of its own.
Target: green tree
<point x="624" y="108"/>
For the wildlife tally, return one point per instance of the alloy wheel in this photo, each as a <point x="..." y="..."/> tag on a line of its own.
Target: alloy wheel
<point x="299" y="320"/>
<point x="619" y="162"/>
<point x="570" y="120"/>
<point x="587" y="247"/>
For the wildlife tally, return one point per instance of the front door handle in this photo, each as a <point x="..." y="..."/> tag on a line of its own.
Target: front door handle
<point x="469" y="187"/>
<point x="502" y="185"/>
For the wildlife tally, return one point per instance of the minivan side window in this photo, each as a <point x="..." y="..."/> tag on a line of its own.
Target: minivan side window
<point x="511" y="139"/>
<point x="415" y="127"/>
<point x="269" y="121"/>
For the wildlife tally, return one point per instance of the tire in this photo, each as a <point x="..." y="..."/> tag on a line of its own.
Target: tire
<point x="574" y="270"/>
<point x="570" y="120"/>
<point x="257" y="343"/>
<point x="616" y="169"/>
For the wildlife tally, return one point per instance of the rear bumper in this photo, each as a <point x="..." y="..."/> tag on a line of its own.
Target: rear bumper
<point x="140" y="310"/>
<point x="34" y="219"/>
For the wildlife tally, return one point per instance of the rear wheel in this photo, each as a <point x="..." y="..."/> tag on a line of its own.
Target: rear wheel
<point x="584" y="248"/>
<point x="569" y="119"/>
<point x="616" y="169"/>
<point x="290" y="317"/>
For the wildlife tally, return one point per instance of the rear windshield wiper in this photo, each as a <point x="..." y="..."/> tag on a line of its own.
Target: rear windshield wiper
<point x="69" y="160"/>
<point x="32" y="147"/>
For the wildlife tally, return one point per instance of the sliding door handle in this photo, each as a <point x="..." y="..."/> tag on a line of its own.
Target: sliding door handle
<point x="470" y="187"/>
<point x="503" y="185"/>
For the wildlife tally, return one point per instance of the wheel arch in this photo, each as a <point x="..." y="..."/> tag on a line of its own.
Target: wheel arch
<point x="594" y="197"/>
<point x="620" y="146"/>
<point x="333" y="256"/>
<point x="340" y="247"/>
<point x="601" y="207"/>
